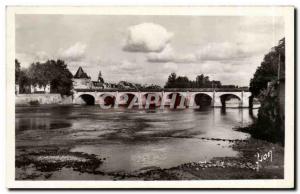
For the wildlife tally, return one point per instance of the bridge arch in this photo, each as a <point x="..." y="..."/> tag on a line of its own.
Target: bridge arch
<point x="179" y="99"/>
<point x="203" y="100"/>
<point x="127" y="98"/>
<point x="86" y="99"/>
<point x="230" y="100"/>
<point x="108" y="99"/>
<point x="152" y="99"/>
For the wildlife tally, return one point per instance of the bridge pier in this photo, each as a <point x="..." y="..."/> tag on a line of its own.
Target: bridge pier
<point x="246" y="99"/>
<point x="217" y="102"/>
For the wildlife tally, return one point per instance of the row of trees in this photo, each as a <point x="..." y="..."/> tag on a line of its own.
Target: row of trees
<point x="53" y="72"/>
<point x="201" y="81"/>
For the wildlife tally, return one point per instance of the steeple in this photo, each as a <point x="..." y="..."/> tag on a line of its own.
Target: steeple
<point x="100" y="78"/>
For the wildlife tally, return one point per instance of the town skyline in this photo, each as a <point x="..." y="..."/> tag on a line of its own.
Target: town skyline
<point x="146" y="49"/>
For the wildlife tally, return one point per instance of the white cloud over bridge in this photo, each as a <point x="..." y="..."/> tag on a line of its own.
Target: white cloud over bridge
<point x="146" y="37"/>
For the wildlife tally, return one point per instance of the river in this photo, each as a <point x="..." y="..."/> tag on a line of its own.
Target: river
<point x="133" y="139"/>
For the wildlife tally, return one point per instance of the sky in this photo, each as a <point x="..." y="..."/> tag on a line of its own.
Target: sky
<point x="146" y="49"/>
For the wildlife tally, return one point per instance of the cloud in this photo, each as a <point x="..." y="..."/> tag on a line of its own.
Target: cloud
<point x="169" y="55"/>
<point x="42" y="56"/>
<point x="224" y="51"/>
<point x="75" y="52"/>
<point x="257" y="24"/>
<point x="26" y="59"/>
<point x="166" y="55"/>
<point x="147" y="37"/>
<point x="125" y="67"/>
<point x="128" y="66"/>
<point x="170" y="67"/>
<point x="221" y="51"/>
<point x="72" y="55"/>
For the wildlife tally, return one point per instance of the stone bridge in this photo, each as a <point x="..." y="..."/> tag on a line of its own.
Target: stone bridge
<point x="217" y="97"/>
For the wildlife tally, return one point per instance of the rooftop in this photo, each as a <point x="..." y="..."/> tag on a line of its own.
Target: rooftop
<point x="81" y="74"/>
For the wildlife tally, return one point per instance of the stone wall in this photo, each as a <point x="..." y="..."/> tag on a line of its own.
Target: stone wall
<point x="27" y="99"/>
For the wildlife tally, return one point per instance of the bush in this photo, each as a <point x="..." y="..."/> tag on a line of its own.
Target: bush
<point x="268" y="123"/>
<point x="34" y="102"/>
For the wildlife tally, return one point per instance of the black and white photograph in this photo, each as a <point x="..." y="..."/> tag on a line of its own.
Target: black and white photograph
<point x="148" y="95"/>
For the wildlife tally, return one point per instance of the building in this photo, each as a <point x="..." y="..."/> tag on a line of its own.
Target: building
<point x="40" y="89"/>
<point x="99" y="84"/>
<point x="17" y="89"/>
<point x="110" y="85"/>
<point x="82" y="81"/>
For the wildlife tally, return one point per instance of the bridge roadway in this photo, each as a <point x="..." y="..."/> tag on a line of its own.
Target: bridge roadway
<point x="217" y="97"/>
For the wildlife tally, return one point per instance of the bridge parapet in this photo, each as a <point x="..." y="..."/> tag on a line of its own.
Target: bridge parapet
<point x="165" y="90"/>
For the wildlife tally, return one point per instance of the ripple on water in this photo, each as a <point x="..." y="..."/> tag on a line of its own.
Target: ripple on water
<point x="166" y="153"/>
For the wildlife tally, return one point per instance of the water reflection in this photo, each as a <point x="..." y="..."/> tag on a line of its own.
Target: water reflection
<point x="223" y="110"/>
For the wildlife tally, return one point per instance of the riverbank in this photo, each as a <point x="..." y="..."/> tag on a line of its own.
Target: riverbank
<point x="242" y="167"/>
<point x="61" y="164"/>
<point x="42" y="99"/>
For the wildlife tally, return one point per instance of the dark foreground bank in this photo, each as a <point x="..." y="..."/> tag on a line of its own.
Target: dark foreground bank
<point x="61" y="164"/>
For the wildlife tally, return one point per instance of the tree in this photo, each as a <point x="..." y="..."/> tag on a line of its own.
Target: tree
<point x="21" y="78"/>
<point x="152" y="86"/>
<point x="201" y="81"/>
<point x="177" y="82"/>
<point x="54" y="73"/>
<point x="24" y="82"/>
<point x="266" y="72"/>
<point x="61" y="78"/>
<point x="39" y="74"/>
<point x="17" y="71"/>
<point x="182" y="82"/>
<point x="171" y="81"/>
<point x="269" y="124"/>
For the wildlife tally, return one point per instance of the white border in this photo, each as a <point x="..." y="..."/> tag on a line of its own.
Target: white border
<point x="287" y="12"/>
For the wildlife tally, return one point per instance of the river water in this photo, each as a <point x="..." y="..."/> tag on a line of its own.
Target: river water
<point x="132" y="139"/>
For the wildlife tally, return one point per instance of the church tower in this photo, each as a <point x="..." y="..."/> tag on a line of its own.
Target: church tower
<point x="100" y="78"/>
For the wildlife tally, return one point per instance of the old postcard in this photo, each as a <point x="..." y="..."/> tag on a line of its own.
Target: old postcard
<point x="150" y="97"/>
